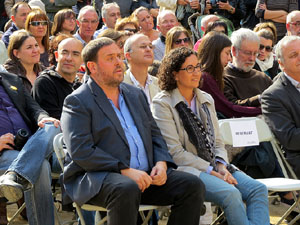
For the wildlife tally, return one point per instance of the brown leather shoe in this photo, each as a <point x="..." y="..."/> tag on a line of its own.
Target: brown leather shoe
<point x="3" y="213"/>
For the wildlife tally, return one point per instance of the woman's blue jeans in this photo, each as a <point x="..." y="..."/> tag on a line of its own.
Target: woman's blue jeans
<point x="233" y="199"/>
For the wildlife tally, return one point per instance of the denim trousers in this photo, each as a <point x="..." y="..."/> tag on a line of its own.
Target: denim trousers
<point x="31" y="164"/>
<point x="233" y="198"/>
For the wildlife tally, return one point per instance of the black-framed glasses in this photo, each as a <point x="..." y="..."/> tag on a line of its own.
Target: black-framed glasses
<point x="268" y="48"/>
<point x="296" y="24"/>
<point x="184" y="40"/>
<point x="38" y="23"/>
<point x="131" y="30"/>
<point x="191" y="68"/>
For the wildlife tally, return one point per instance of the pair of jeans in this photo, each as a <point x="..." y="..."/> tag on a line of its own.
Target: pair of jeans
<point x="231" y="198"/>
<point x="32" y="164"/>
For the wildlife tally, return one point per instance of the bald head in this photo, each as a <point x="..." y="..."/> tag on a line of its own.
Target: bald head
<point x="165" y="21"/>
<point x="208" y="19"/>
<point x="68" y="57"/>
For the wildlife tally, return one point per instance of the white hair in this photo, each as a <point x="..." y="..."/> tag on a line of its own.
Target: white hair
<point x="86" y="9"/>
<point x="291" y="15"/>
<point x="243" y="34"/>
<point x="282" y="43"/>
<point x="163" y="13"/>
<point x="105" y="8"/>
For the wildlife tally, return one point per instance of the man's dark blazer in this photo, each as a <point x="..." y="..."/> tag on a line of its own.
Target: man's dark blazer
<point x="96" y="142"/>
<point x="281" y="110"/>
<point x="29" y="109"/>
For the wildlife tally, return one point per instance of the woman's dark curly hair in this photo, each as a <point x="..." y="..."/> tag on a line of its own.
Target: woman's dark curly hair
<point x="172" y="62"/>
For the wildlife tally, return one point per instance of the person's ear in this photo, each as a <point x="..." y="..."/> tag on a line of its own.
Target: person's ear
<point x="127" y="55"/>
<point x="281" y="65"/>
<point x="234" y="51"/>
<point x="16" y="53"/>
<point x="56" y="55"/>
<point x="13" y="18"/>
<point x="92" y="67"/>
<point x="77" y="22"/>
<point x="158" y="28"/>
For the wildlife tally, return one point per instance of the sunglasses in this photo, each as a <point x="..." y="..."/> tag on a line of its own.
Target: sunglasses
<point x="184" y="40"/>
<point x="131" y="30"/>
<point x="268" y="48"/>
<point x="38" y="23"/>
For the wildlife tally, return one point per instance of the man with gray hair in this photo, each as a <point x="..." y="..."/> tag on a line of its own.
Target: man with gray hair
<point x="110" y="13"/>
<point x="138" y="51"/>
<point x="243" y="84"/>
<point x="293" y="23"/>
<point x="117" y="157"/>
<point x="87" y="22"/>
<point x="281" y="101"/>
<point x="165" y="21"/>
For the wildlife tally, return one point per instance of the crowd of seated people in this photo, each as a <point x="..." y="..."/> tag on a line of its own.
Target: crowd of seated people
<point x="138" y="102"/>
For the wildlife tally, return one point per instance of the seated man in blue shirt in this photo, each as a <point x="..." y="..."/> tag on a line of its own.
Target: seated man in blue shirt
<point x="116" y="156"/>
<point x="19" y="111"/>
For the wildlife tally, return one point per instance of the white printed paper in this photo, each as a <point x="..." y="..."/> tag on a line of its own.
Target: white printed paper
<point x="244" y="133"/>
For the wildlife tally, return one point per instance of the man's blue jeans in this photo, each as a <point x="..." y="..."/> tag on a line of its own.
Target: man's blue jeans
<point x="31" y="163"/>
<point x="231" y="198"/>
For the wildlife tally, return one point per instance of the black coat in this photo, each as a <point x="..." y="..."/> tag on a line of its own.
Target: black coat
<point x="30" y="111"/>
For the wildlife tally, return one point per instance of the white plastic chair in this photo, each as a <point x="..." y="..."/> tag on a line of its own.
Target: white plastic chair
<point x="273" y="184"/>
<point x="59" y="151"/>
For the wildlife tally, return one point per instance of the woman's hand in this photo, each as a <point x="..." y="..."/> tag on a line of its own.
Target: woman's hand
<point x="195" y="4"/>
<point x="263" y="6"/>
<point x="6" y="141"/>
<point x="182" y="2"/>
<point x="227" y="176"/>
<point x="224" y="5"/>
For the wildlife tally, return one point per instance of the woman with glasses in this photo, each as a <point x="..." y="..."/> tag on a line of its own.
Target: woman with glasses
<point x="64" y="22"/>
<point x="212" y="63"/>
<point x="266" y="61"/>
<point x="37" y="24"/>
<point x="187" y="119"/>
<point x="177" y="37"/>
<point x="24" y="57"/>
<point x="145" y="21"/>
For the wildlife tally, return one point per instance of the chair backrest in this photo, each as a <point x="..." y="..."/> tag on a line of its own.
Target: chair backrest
<point x="58" y="143"/>
<point x="263" y="131"/>
<point x="264" y="134"/>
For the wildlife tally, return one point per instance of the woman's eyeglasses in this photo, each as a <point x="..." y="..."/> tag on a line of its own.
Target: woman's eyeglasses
<point x="268" y="48"/>
<point x="184" y="40"/>
<point x="38" y="23"/>
<point x="191" y="68"/>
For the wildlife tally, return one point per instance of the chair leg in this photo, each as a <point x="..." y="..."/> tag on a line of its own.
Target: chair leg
<point x="3" y="213"/>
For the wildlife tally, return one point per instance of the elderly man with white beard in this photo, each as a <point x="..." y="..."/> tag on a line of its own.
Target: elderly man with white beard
<point x="243" y="84"/>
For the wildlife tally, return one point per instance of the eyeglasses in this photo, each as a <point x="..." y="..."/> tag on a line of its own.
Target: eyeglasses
<point x="131" y="30"/>
<point x="184" y="40"/>
<point x="38" y="23"/>
<point x="249" y="53"/>
<point x="191" y="68"/>
<point x="89" y="21"/>
<point x="268" y="48"/>
<point x="296" y="24"/>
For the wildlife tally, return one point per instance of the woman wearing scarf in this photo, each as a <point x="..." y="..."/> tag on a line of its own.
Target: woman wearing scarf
<point x="188" y="123"/>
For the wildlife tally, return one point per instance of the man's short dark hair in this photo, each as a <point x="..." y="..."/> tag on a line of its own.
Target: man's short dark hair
<point x="14" y="9"/>
<point x="90" y="51"/>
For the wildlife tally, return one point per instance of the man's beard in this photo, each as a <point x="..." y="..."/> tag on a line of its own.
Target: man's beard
<point x="243" y="67"/>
